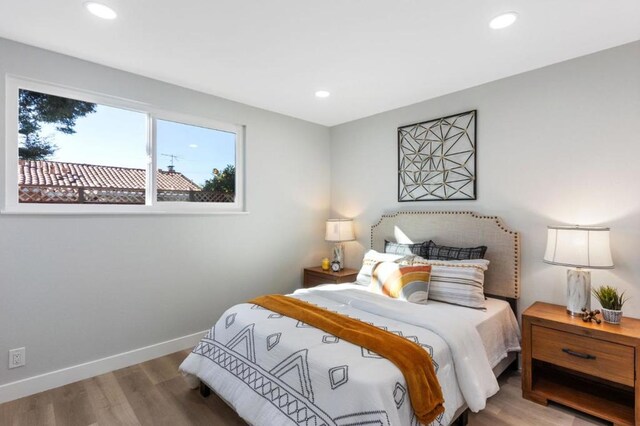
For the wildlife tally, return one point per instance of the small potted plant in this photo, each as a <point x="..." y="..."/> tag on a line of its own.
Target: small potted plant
<point x="611" y="302"/>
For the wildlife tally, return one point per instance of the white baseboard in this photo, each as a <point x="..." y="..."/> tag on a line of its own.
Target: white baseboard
<point x="54" y="379"/>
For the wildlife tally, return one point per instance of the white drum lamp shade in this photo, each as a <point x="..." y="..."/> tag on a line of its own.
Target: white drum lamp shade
<point x="578" y="247"/>
<point x="339" y="231"/>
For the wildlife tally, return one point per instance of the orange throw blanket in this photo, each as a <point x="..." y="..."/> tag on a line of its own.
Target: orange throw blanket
<point x="412" y="360"/>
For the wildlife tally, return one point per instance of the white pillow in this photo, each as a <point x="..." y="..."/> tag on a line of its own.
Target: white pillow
<point x="459" y="282"/>
<point x="372" y="258"/>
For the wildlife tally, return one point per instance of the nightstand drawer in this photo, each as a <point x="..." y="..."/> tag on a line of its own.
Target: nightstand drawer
<point x="599" y="358"/>
<point x="312" y="280"/>
<point x="315" y="276"/>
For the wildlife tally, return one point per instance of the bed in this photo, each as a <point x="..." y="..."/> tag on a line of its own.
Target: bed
<point x="275" y="370"/>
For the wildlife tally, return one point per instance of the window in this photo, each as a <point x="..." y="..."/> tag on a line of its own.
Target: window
<point x="197" y="164"/>
<point x="74" y="152"/>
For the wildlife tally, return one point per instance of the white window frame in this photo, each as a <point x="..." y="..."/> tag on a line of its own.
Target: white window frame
<point x="13" y="206"/>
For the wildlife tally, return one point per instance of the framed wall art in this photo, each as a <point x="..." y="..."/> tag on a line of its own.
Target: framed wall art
<point x="437" y="159"/>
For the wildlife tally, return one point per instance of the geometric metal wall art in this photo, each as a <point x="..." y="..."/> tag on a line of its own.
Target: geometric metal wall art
<point x="437" y="159"/>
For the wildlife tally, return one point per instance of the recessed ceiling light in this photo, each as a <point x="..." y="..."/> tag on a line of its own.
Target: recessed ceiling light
<point x="322" y="94"/>
<point x="193" y="145"/>
<point x="503" y="20"/>
<point x="100" y="10"/>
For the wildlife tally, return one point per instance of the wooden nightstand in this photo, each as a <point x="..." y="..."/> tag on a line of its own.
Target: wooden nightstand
<point x="583" y="365"/>
<point x="315" y="276"/>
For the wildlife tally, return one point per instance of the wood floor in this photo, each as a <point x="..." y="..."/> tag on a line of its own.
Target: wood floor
<point x="154" y="393"/>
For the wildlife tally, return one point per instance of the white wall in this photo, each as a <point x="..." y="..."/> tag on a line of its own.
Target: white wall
<point x="556" y="145"/>
<point x="77" y="288"/>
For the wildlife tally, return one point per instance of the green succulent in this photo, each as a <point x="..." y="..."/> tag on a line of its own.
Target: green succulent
<point x="609" y="298"/>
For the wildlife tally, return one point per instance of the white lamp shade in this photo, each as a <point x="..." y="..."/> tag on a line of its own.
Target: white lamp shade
<point x="579" y="247"/>
<point x="339" y="230"/>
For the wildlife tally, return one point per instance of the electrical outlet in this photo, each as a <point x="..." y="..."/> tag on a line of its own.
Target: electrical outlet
<point x="17" y="357"/>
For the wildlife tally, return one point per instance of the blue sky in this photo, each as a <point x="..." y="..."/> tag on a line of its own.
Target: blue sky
<point x="198" y="150"/>
<point x="118" y="137"/>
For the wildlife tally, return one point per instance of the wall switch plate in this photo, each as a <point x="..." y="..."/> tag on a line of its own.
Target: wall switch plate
<point x="17" y="357"/>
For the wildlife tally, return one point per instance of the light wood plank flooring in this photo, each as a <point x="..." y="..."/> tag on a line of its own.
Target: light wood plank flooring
<point x="154" y="393"/>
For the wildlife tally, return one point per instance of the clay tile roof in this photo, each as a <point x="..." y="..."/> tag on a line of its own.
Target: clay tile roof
<point x="53" y="173"/>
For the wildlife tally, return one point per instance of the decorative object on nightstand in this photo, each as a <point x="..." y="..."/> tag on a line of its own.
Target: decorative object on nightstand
<point x="588" y="316"/>
<point x="586" y="366"/>
<point x="326" y="265"/>
<point x="611" y="302"/>
<point x="316" y="276"/>
<point x="578" y="247"/>
<point x="339" y="231"/>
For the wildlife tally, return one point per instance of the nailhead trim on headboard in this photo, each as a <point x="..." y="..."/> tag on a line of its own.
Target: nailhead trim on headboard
<point x="496" y="219"/>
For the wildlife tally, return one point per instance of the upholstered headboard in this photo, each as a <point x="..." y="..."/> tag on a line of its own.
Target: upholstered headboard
<point x="460" y="229"/>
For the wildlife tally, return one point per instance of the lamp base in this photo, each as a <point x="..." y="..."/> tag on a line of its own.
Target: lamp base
<point x="338" y="254"/>
<point x="578" y="291"/>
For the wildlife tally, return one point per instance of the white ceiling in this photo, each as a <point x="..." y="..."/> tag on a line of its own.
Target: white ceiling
<point x="372" y="55"/>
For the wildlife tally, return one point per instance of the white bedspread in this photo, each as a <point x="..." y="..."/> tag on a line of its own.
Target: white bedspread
<point x="275" y="370"/>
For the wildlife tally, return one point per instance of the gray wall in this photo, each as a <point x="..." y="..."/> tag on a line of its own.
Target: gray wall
<point x="556" y="145"/>
<point x="78" y="288"/>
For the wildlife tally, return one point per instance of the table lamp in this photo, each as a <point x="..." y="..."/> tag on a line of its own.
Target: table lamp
<point x="580" y="248"/>
<point x="339" y="231"/>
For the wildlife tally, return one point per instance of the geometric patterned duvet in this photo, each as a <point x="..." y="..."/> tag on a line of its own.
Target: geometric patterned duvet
<point x="275" y="370"/>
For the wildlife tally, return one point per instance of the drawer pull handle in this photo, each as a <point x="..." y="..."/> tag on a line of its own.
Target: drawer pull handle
<point x="578" y="354"/>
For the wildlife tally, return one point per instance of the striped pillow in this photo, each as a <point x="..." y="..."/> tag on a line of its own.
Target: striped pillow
<point x="459" y="282"/>
<point x="373" y="258"/>
<point x="410" y="283"/>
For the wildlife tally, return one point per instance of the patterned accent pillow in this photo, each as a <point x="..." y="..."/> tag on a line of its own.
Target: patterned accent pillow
<point x="405" y="249"/>
<point x="372" y="258"/>
<point x="437" y="252"/>
<point x="459" y="282"/>
<point x="410" y="283"/>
